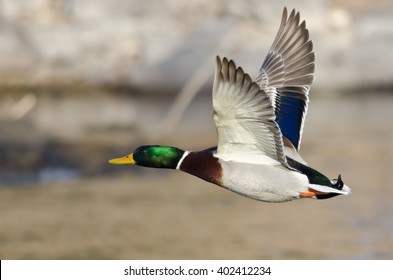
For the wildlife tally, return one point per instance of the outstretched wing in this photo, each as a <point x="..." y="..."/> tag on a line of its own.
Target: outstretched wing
<point x="244" y="118"/>
<point x="286" y="75"/>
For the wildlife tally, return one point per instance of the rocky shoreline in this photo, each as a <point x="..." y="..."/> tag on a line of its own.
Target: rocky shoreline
<point x="157" y="48"/>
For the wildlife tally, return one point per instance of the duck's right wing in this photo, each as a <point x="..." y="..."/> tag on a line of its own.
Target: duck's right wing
<point x="286" y="75"/>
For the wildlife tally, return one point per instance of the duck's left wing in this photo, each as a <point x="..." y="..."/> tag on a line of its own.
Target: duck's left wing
<point x="244" y="118"/>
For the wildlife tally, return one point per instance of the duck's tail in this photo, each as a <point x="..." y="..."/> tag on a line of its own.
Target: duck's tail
<point x="334" y="192"/>
<point x="323" y="192"/>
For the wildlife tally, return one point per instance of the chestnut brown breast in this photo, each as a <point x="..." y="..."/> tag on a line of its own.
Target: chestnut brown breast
<point x="203" y="165"/>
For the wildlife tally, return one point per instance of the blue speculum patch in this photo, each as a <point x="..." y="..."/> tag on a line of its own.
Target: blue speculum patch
<point x="289" y="118"/>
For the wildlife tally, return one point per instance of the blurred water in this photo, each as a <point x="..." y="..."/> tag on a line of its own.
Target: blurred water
<point x="71" y="137"/>
<point x="64" y="153"/>
<point x="44" y="176"/>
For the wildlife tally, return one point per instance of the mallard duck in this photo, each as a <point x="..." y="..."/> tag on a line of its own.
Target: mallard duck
<point x="259" y="125"/>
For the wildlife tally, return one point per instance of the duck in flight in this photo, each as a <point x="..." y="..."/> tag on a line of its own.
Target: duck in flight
<point x="259" y="125"/>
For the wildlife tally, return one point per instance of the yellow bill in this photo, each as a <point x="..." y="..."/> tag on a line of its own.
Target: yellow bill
<point x="123" y="160"/>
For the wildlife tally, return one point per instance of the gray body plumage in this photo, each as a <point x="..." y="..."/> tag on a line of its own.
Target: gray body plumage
<point x="263" y="182"/>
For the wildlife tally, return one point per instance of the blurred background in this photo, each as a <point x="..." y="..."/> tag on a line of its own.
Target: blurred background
<point x="85" y="81"/>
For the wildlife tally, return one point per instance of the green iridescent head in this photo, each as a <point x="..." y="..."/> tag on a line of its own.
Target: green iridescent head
<point x="152" y="156"/>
